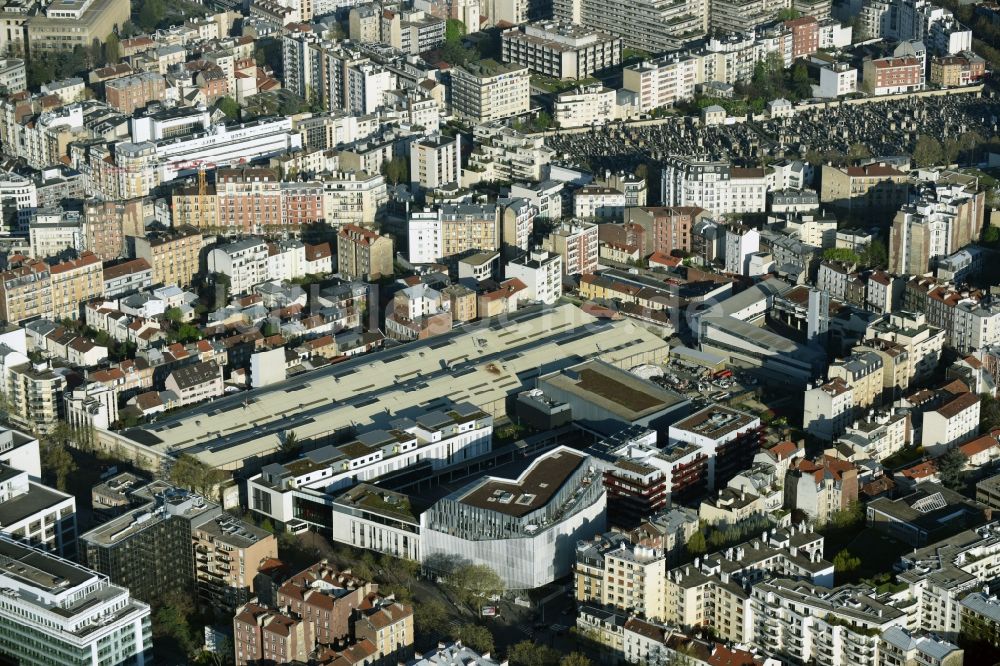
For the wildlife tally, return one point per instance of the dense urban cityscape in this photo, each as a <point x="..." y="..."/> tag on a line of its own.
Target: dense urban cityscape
<point x="499" y="332"/>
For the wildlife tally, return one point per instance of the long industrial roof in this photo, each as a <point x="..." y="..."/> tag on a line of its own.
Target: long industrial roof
<point x="481" y="363"/>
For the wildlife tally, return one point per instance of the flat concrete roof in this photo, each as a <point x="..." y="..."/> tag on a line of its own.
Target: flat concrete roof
<point x="532" y="490"/>
<point x="480" y="363"/>
<point x="613" y="389"/>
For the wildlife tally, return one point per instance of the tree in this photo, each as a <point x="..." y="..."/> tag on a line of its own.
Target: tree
<point x="875" y="255"/>
<point x="151" y="13"/>
<point x="528" y="653"/>
<point x="543" y="121"/>
<point x="927" y="151"/>
<point x="229" y="107"/>
<point x="290" y="445"/>
<point x="454" y="31"/>
<point x="858" y="151"/>
<point x="801" y="85"/>
<point x="575" y="659"/>
<point x="170" y="620"/>
<point x="189" y="472"/>
<point x="950" y="467"/>
<point x="57" y="462"/>
<point x="174" y="315"/>
<point x="696" y="544"/>
<point x="845" y="563"/>
<point x="396" y="170"/>
<point x="642" y="171"/>
<point x="430" y="618"/>
<point x="989" y="413"/>
<point x="112" y="49"/>
<point x="473" y="584"/>
<point x="476" y="637"/>
<point x="991" y="234"/>
<point x="848" y="517"/>
<point x="840" y="254"/>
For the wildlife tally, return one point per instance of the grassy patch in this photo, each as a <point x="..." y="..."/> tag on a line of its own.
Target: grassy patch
<point x="904" y="456"/>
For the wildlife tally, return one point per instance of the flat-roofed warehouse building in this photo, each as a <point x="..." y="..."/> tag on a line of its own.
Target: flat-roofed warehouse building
<point x="606" y="398"/>
<point x="525" y="528"/>
<point x="481" y="364"/>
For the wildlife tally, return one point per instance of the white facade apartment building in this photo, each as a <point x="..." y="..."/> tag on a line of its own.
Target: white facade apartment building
<point x="593" y="201"/>
<point x="662" y="82"/>
<point x="20" y="198"/>
<point x="545" y="196"/>
<point x="453" y="229"/>
<point x="541" y="273"/>
<point x="502" y="153"/>
<point x="953" y="423"/>
<point x="940" y="574"/>
<point x="740" y="243"/>
<point x="441" y="438"/>
<point x="436" y="161"/>
<point x="561" y="50"/>
<point x="367" y="84"/>
<point x="38" y="514"/>
<point x="488" y="91"/>
<point x="715" y="186"/>
<point x="804" y="623"/>
<point x="975" y="326"/>
<point x="353" y="197"/>
<point x="245" y="262"/>
<point x="58" y="612"/>
<point x="828" y="409"/>
<point x="837" y="79"/>
<point x="586" y="106"/>
<point x="649" y="25"/>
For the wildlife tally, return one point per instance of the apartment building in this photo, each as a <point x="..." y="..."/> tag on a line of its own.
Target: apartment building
<point x="173" y="255"/>
<point x="541" y="273"/>
<point x="653" y="27"/>
<point x="941" y="221"/>
<point x="106" y="224"/>
<point x="171" y="539"/>
<point x="34" y="395"/>
<point x="560" y="50"/>
<point x="227" y="555"/>
<point x="804" y="623"/>
<point x="74" y="282"/>
<point x="326" y="612"/>
<point x="953" y="423"/>
<point x="728" y="16"/>
<point x="715" y="591"/>
<point x="828" y="409"/>
<point x="822" y="487"/>
<point x="453" y="229"/>
<point x="921" y="341"/>
<point x="36" y="514"/>
<point x="127" y="278"/>
<point x="194" y="382"/>
<point x="363" y="254"/>
<point x="435" y="161"/>
<point x="891" y="76"/>
<point x="56" y="611"/>
<point x="613" y="572"/>
<point x="487" y="90"/>
<point x="939" y="575"/>
<point x="248" y="200"/>
<point x="715" y="186"/>
<point x="957" y="70"/>
<point x="594" y="201"/>
<point x="281" y="492"/>
<point x="662" y="82"/>
<point x="504" y="154"/>
<point x="729" y="438"/>
<point x="577" y="243"/>
<point x="243" y="261"/>
<point x="875" y="187"/>
<point x="25" y="292"/>
<point x="585" y="106"/>
<point x="863" y="373"/>
<point x="131" y="93"/>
